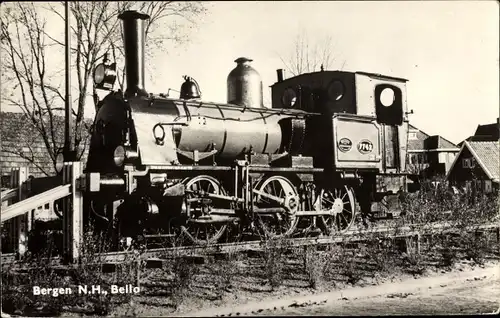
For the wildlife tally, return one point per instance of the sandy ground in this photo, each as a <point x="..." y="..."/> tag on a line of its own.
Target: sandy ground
<point x="472" y="291"/>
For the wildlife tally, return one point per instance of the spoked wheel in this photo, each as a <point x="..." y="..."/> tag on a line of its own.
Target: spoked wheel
<point x="275" y="192"/>
<point x="197" y="208"/>
<point x="342" y="207"/>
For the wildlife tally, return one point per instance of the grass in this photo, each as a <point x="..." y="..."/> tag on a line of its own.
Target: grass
<point x="279" y="264"/>
<point x="17" y="283"/>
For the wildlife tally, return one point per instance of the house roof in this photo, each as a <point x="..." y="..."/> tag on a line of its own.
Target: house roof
<point x="487" y="154"/>
<point x="439" y="142"/>
<point x="425" y="141"/>
<point x="488" y="131"/>
<point x="20" y="138"/>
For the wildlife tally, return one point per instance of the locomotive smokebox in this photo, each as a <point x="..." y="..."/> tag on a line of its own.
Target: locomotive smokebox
<point x="133" y="29"/>
<point x="244" y="85"/>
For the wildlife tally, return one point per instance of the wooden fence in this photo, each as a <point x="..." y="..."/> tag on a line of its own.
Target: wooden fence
<point x="21" y="201"/>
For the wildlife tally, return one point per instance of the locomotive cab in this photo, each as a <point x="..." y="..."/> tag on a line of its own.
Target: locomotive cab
<point x="363" y="114"/>
<point x="362" y="130"/>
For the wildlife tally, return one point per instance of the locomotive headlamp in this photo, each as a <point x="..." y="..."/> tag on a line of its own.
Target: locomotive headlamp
<point x="289" y="98"/>
<point x="119" y="156"/>
<point x="105" y="76"/>
<point x="124" y="153"/>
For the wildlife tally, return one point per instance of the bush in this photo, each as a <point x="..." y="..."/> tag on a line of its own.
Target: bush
<point x="464" y="209"/>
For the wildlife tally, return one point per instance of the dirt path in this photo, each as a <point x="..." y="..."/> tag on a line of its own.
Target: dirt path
<point x="462" y="292"/>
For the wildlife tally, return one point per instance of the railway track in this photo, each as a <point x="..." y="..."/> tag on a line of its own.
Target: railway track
<point x="353" y="235"/>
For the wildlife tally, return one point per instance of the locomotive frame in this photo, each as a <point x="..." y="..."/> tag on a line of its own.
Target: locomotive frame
<point x="162" y="167"/>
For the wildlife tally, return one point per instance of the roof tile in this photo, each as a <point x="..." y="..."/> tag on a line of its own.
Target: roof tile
<point x="488" y="152"/>
<point x="19" y="133"/>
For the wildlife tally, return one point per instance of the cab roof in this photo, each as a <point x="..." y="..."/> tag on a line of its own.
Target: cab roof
<point x="375" y="75"/>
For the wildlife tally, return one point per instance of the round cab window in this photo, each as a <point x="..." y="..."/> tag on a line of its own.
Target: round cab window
<point x="387" y="97"/>
<point x="289" y="98"/>
<point x="336" y="90"/>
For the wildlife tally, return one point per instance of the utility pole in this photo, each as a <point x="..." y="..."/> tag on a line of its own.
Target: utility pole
<point x="69" y="151"/>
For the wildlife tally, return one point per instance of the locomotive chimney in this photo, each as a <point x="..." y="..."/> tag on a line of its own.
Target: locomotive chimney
<point x="281" y="75"/>
<point x="133" y="33"/>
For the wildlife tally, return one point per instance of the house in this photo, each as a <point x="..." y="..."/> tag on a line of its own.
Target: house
<point x="429" y="155"/>
<point x="485" y="133"/>
<point x="478" y="163"/>
<point x="477" y="166"/>
<point x="21" y="144"/>
<point x="488" y="132"/>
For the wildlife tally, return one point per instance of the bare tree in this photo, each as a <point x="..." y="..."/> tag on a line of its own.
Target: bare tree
<point x="309" y="56"/>
<point x="24" y="72"/>
<point x="28" y="45"/>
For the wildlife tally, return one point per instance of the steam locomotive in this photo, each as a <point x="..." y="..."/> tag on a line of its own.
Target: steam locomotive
<point x="333" y="142"/>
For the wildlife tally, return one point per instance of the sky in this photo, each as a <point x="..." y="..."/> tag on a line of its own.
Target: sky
<point x="448" y="50"/>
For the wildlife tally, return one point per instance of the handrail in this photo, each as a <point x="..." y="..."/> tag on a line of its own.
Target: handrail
<point x="34" y="202"/>
<point x="9" y="194"/>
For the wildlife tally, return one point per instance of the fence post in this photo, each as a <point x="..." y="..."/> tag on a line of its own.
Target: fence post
<point x="19" y="225"/>
<point x="497" y="231"/>
<point x="418" y="242"/>
<point x="72" y="213"/>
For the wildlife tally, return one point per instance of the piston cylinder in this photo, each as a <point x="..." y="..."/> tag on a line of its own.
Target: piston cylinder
<point x="244" y="85"/>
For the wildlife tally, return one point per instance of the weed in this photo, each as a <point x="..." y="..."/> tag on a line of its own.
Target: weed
<point x="18" y="285"/>
<point x="345" y="264"/>
<point x="448" y="251"/>
<point x="315" y="266"/>
<point x="224" y="272"/>
<point x="184" y="271"/>
<point x="476" y="247"/>
<point x="414" y="264"/>
<point x="274" y="260"/>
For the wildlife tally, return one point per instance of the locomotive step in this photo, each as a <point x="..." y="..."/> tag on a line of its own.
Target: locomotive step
<point x="385" y="216"/>
<point x="150" y="236"/>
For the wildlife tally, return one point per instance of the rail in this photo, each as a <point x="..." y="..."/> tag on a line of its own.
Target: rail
<point x="351" y="236"/>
